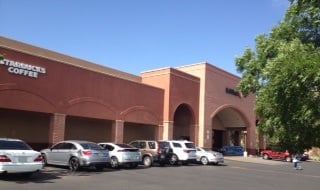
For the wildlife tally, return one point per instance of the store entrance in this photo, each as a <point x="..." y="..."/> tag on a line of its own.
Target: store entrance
<point x="217" y="140"/>
<point x="227" y="127"/>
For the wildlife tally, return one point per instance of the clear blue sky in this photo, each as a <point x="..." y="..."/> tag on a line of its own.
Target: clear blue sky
<point x="140" y="35"/>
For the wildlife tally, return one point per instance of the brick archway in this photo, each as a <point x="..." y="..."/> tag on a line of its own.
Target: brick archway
<point x="228" y="123"/>
<point x="184" y="123"/>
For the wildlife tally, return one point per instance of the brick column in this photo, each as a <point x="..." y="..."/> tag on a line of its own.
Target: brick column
<point x="57" y="128"/>
<point x="262" y="142"/>
<point x="194" y="134"/>
<point x="251" y="140"/>
<point x="117" y="131"/>
<point x="167" y="130"/>
<point x="158" y="132"/>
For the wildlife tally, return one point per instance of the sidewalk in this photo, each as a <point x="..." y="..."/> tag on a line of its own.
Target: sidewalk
<point x="257" y="160"/>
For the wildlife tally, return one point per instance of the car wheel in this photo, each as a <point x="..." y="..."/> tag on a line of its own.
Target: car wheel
<point x="204" y="160"/>
<point x="265" y="156"/>
<point x="288" y="159"/>
<point x="74" y="164"/>
<point x="114" y="163"/>
<point x="173" y="160"/>
<point x="147" y="161"/>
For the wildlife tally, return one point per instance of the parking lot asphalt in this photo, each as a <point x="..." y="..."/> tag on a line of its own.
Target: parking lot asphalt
<point x="256" y="160"/>
<point x="236" y="173"/>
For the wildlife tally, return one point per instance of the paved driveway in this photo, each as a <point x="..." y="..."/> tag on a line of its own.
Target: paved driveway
<point x="232" y="175"/>
<point x="257" y="160"/>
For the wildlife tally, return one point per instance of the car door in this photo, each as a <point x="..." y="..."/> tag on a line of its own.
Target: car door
<point x="152" y="148"/>
<point x="199" y="153"/>
<point x="177" y="149"/>
<point x="191" y="150"/>
<point x="143" y="147"/>
<point x="65" y="152"/>
<point x="53" y="154"/>
<point x="274" y="154"/>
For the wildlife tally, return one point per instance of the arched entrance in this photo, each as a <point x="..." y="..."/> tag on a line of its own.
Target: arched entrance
<point x="183" y="126"/>
<point x="228" y="127"/>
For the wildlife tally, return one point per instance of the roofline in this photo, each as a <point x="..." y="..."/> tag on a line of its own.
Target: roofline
<point x="212" y="66"/>
<point x="65" y="59"/>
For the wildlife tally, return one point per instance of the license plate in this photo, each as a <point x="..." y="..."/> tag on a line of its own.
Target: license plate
<point x="23" y="159"/>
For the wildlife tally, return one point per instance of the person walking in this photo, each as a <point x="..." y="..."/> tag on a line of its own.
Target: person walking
<point x="296" y="162"/>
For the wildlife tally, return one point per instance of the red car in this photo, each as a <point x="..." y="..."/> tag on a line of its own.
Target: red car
<point x="269" y="154"/>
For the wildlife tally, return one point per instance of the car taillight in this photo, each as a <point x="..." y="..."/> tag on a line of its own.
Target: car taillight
<point x="214" y="154"/>
<point x="187" y="151"/>
<point x="38" y="159"/>
<point x="86" y="153"/>
<point x="4" y="158"/>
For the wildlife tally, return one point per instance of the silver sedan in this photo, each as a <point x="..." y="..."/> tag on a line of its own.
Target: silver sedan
<point x="206" y="156"/>
<point x="76" y="154"/>
<point x="122" y="154"/>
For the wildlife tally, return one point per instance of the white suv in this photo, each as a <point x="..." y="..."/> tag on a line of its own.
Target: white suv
<point x="183" y="152"/>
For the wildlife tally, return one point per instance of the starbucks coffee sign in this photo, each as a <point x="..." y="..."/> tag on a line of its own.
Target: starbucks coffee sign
<point x="23" y="69"/>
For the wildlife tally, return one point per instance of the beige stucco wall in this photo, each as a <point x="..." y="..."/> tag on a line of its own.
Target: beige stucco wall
<point x="213" y="99"/>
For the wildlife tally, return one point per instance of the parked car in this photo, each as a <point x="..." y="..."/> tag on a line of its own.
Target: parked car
<point x="18" y="157"/>
<point x="122" y="154"/>
<point x="232" y="150"/>
<point x="269" y="154"/>
<point x="206" y="156"/>
<point x="152" y="152"/>
<point x="76" y="154"/>
<point x="181" y="151"/>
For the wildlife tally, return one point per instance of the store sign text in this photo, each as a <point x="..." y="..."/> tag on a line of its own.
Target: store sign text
<point x="24" y="69"/>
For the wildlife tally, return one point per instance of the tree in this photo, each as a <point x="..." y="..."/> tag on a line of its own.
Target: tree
<point x="284" y="73"/>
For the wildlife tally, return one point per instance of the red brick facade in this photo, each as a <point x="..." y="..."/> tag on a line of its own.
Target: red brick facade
<point x="77" y="99"/>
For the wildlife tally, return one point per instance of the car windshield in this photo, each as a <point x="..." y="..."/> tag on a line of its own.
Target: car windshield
<point x="189" y="145"/>
<point x="13" y="145"/>
<point x="91" y="146"/>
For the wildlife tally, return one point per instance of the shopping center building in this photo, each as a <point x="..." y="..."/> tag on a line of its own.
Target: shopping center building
<point x="46" y="97"/>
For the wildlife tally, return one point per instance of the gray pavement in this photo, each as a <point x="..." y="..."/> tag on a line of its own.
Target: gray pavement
<point x="256" y="160"/>
<point x="236" y="173"/>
